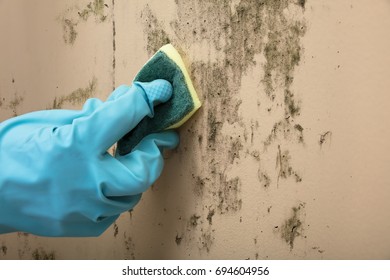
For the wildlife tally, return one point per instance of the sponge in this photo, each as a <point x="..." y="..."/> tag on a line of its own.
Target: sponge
<point x="165" y="64"/>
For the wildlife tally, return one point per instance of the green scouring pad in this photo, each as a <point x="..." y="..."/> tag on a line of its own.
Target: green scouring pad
<point x="166" y="64"/>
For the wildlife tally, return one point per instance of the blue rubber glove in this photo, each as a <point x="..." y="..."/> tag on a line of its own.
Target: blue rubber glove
<point x="56" y="176"/>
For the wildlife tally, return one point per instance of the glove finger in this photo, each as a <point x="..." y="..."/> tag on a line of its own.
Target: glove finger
<point x="113" y="119"/>
<point x="133" y="173"/>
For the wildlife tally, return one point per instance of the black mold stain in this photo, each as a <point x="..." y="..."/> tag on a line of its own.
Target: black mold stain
<point x="76" y="97"/>
<point x="210" y="216"/>
<point x="282" y="52"/>
<point x="302" y="3"/>
<point x="3" y="249"/>
<point x="285" y="129"/>
<point x="116" y="229"/>
<point x="325" y="137"/>
<point x="284" y="166"/>
<point x="228" y="195"/>
<point x="256" y="155"/>
<point x="200" y="184"/>
<point x="213" y="128"/>
<point x="318" y="249"/>
<point x="195" y="226"/>
<point x="292" y="227"/>
<point x="264" y="179"/>
<point x="95" y="8"/>
<point x="156" y="36"/>
<point x="12" y="104"/>
<point x="206" y="240"/>
<point x="237" y="33"/>
<point x="130" y="213"/>
<point x="235" y="148"/>
<point x="178" y="239"/>
<point x="299" y="128"/>
<point x="73" y="16"/>
<point x="129" y="246"/>
<point x="41" y="254"/>
<point x="254" y="124"/>
<point x="69" y="31"/>
<point x="193" y="222"/>
<point x="24" y="247"/>
<point x="293" y="107"/>
<point x="200" y="139"/>
<point x="15" y="103"/>
<point x="216" y="23"/>
<point x="113" y="45"/>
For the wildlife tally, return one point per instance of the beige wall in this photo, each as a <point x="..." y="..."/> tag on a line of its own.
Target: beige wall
<point x="288" y="157"/>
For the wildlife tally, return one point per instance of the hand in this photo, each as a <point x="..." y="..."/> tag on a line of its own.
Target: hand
<point x="56" y="176"/>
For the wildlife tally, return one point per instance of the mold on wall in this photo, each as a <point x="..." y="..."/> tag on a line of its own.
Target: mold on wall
<point x="292" y="227"/>
<point x="41" y="254"/>
<point x="96" y="9"/>
<point x="76" y="97"/>
<point x="236" y="36"/>
<point x="75" y="15"/>
<point x="284" y="167"/>
<point x="4" y="249"/>
<point x="156" y="36"/>
<point x="129" y="247"/>
<point x="325" y="138"/>
<point x="12" y="104"/>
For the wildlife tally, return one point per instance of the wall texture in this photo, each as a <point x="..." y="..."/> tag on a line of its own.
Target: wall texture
<point x="288" y="157"/>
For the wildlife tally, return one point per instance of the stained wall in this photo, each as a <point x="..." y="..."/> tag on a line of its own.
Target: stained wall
<point x="286" y="159"/>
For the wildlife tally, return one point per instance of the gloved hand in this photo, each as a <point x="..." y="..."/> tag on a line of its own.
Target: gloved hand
<point x="56" y="176"/>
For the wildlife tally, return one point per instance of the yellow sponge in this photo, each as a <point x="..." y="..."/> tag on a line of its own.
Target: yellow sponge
<point x="166" y="64"/>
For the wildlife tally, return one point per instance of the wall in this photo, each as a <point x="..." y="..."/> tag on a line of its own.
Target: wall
<point x="287" y="158"/>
